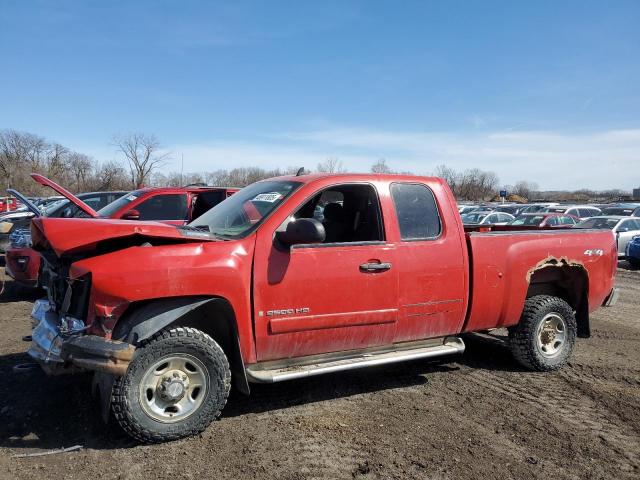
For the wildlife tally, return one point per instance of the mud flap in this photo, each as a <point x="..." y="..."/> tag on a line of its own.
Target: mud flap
<point x="101" y="387"/>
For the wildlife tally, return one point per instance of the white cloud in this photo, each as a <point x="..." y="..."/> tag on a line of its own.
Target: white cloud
<point x="600" y="160"/>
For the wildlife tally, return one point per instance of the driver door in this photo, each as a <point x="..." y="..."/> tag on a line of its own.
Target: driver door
<point x="320" y="298"/>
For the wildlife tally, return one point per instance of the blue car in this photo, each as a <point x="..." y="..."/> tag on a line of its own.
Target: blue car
<point x="633" y="251"/>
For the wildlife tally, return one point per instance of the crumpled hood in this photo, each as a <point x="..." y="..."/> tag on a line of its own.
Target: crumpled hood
<point x="73" y="235"/>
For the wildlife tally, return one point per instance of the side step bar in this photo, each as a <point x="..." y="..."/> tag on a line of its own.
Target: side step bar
<point x="279" y="371"/>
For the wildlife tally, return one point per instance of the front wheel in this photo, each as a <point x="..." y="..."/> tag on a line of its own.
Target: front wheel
<point x="176" y="385"/>
<point x="546" y="334"/>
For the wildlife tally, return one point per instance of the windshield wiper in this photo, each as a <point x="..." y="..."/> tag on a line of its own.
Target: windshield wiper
<point x="204" y="230"/>
<point x="197" y="228"/>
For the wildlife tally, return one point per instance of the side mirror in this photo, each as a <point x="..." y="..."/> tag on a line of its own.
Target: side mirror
<point x="301" y="231"/>
<point x="131" y="215"/>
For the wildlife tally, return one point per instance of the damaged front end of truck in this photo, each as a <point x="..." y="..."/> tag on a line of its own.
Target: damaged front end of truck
<point x="72" y="326"/>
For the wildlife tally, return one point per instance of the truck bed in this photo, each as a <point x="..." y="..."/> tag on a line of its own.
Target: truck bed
<point x="502" y="263"/>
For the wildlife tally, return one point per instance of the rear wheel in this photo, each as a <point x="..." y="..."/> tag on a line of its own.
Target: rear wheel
<point x="634" y="262"/>
<point x="546" y="334"/>
<point x="176" y="385"/>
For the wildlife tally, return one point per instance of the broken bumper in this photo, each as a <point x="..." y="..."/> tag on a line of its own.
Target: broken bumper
<point x="612" y="298"/>
<point x="60" y="354"/>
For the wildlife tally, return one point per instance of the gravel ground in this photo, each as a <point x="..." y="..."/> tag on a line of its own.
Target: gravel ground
<point x="473" y="416"/>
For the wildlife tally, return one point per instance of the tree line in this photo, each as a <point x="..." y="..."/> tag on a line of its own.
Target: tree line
<point x="143" y="159"/>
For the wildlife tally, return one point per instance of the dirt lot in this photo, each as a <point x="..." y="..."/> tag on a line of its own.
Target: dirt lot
<point x="474" y="416"/>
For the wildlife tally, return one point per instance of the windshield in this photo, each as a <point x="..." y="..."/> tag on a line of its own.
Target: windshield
<point x="113" y="207"/>
<point x="528" y="220"/>
<point x="617" y="211"/>
<point x="52" y="207"/>
<point x="241" y="213"/>
<point x="598" y="222"/>
<point x="473" y="217"/>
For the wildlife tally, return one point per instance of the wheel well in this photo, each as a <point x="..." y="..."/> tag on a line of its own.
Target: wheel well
<point x="211" y="315"/>
<point x="569" y="282"/>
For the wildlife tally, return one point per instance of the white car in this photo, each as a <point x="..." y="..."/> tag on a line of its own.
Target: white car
<point x="580" y="211"/>
<point x="487" y="218"/>
<point x="624" y="228"/>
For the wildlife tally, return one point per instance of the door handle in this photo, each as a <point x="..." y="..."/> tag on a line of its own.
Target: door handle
<point x="374" y="267"/>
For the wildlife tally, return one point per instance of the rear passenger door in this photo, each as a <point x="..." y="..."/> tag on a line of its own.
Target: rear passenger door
<point x="431" y="264"/>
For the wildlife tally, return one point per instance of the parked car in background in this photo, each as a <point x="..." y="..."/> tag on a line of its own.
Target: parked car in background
<point x="578" y="211"/>
<point x="60" y="208"/>
<point x="510" y="209"/>
<point x="487" y="218"/>
<point x="545" y="219"/>
<point x="462" y="209"/>
<point x="21" y="262"/>
<point x="536" y="207"/>
<point x="8" y="204"/>
<point x="633" y="251"/>
<point x="625" y="210"/>
<point x="175" y="206"/>
<point x="624" y="228"/>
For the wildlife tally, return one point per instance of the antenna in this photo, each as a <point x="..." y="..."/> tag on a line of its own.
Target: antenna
<point x="300" y="171"/>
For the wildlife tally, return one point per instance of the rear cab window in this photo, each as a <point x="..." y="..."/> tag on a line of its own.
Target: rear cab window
<point x="416" y="211"/>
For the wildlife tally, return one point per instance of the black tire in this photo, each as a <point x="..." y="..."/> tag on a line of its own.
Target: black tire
<point x="126" y="397"/>
<point x="527" y="343"/>
<point x="634" y="262"/>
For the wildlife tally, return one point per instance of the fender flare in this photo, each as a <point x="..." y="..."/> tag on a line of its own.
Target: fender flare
<point x="196" y="312"/>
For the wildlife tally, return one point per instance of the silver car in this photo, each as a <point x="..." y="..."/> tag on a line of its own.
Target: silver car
<point x="624" y="228"/>
<point x="487" y="218"/>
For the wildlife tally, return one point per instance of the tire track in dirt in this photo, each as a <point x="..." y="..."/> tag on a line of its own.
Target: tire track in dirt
<point x="570" y="407"/>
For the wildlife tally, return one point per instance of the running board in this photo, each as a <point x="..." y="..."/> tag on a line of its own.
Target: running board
<point x="281" y="370"/>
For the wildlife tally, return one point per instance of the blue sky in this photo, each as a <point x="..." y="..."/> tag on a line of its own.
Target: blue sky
<point x="541" y="90"/>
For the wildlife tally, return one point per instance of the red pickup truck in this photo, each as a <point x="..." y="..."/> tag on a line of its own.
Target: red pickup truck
<point x="298" y="276"/>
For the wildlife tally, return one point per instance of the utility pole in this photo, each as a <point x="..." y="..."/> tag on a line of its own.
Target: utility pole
<point x="181" y="169"/>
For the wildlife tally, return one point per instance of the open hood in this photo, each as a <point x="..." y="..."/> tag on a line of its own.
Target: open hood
<point x="42" y="180"/>
<point x="25" y="201"/>
<point x="73" y="235"/>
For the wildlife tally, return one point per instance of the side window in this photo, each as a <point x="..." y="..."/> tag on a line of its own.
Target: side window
<point x="93" y="202"/>
<point x="164" y="207"/>
<point x="349" y="213"/>
<point x="416" y="210"/>
<point x="552" y="222"/>
<point x="205" y="201"/>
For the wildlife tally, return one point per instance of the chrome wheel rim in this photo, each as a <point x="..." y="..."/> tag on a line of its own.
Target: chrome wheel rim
<point x="173" y="388"/>
<point x="551" y="335"/>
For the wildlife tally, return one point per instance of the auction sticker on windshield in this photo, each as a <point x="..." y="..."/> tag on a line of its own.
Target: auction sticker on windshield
<point x="268" y="197"/>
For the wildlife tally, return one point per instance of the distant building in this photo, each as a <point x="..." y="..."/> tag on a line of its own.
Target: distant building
<point x="636" y="193"/>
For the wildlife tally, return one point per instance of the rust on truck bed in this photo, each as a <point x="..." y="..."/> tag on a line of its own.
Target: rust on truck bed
<point x="552" y="261"/>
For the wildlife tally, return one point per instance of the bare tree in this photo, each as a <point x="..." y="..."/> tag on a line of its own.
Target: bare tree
<point x="380" y="167"/>
<point x="525" y="189"/>
<point x="331" y="165"/>
<point x="143" y="154"/>
<point x="80" y="166"/>
<point x="110" y="176"/>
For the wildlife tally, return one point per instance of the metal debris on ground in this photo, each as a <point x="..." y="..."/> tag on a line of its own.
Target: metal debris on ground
<point x="48" y="452"/>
